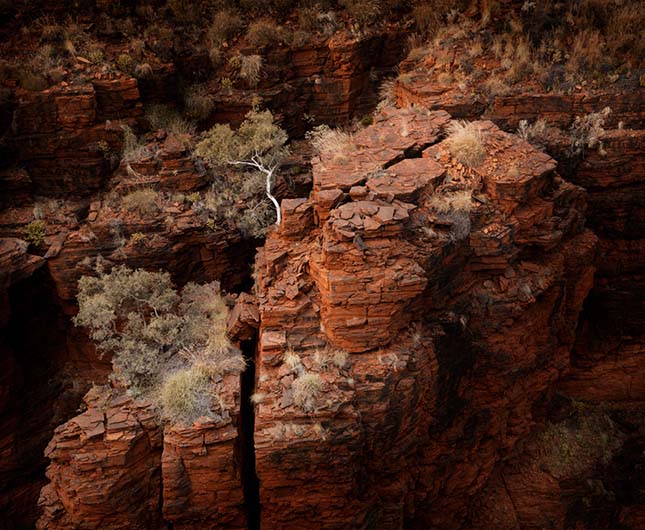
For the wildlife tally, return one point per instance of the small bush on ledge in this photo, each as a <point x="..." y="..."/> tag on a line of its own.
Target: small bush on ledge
<point x="166" y="345"/>
<point x="143" y="201"/>
<point x="35" y="232"/>
<point x="465" y="143"/>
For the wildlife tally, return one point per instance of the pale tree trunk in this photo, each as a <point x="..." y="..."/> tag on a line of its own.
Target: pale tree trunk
<point x="258" y="164"/>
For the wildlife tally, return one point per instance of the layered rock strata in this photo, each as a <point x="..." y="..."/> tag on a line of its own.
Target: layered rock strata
<point x="453" y="292"/>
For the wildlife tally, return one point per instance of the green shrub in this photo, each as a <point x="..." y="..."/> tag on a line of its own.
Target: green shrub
<point x="95" y="56"/>
<point x="258" y="133"/>
<point x="227" y="85"/>
<point x="165" y="345"/>
<point x="35" y="232"/>
<point x="125" y="63"/>
<point x="138" y="239"/>
<point x="259" y="144"/>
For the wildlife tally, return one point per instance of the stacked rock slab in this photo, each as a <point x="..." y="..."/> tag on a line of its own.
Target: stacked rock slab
<point x="115" y="466"/>
<point x="62" y="133"/>
<point x="105" y="468"/>
<point x="451" y="336"/>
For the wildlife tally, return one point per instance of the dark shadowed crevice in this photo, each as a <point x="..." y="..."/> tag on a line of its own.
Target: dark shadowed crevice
<point x="39" y="396"/>
<point x="250" y="481"/>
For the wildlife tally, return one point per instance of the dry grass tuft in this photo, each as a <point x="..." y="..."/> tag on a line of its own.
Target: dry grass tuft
<point x="587" y="132"/>
<point x="292" y="360"/>
<point x="465" y="143"/>
<point x="536" y="134"/>
<point x="250" y="69"/>
<point x="167" y="118"/>
<point x="306" y="388"/>
<point x="455" y="201"/>
<point x="185" y="395"/>
<point x="226" y="24"/>
<point x="264" y="33"/>
<point x="331" y="142"/>
<point x="144" y="201"/>
<point x="199" y="103"/>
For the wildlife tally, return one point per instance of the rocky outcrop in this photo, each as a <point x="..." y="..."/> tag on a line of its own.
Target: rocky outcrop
<point x="64" y="134"/>
<point x="198" y="252"/>
<point x="116" y="466"/>
<point x="455" y="318"/>
<point x="414" y="317"/>
<point x="411" y="312"/>
<point x="325" y="80"/>
<point x="606" y="363"/>
<point x="105" y="467"/>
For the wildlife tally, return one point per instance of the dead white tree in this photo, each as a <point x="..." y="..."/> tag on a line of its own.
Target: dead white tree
<point x="257" y="162"/>
<point x="258" y="143"/>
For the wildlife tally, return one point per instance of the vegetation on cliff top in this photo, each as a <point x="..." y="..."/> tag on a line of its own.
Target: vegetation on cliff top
<point x="167" y="345"/>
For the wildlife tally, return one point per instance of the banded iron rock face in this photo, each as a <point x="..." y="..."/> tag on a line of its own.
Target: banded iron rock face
<point x="393" y="441"/>
<point x="435" y="308"/>
<point x="62" y="138"/>
<point x="430" y="345"/>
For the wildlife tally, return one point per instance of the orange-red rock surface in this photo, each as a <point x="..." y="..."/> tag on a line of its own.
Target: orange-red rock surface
<point x="472" y="327"/>
<point x="443" y="309"/>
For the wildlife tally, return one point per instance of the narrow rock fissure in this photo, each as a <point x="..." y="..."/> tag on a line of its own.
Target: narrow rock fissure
<point x="250" y="483"/>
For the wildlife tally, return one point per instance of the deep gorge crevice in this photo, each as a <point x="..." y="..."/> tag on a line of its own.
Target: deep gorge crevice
<point x="249" y="477"/>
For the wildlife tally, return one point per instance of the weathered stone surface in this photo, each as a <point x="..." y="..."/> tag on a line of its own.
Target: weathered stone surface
<point x="116" y="466"/>
<point x="105" y="470"/>
<point x="360" y="282"/>
<point x="167" y="165"/>
<point x="15" y="262"/>
<point x="62" y="134"/>
<point x="201" y="471"/>
<point x="176" y="238"/>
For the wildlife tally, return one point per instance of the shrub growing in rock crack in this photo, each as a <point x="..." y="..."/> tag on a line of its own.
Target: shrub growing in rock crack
<point x="35" y="232"/>
<point x="264" y="33"/>
<point x="133" y="149"/>
<point x="456" y="207"/>
<point x="144" y="201"/>
<point x="586" y="132"/>
<point x="185" y="395"/>
<point x="537" y="134"/>
<point x="167" y="118"/>
<point x="334" y="143"/>
<point x="250" y="68"/>
<point x="225" y="24"/>
<point x="199" y="102"/>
